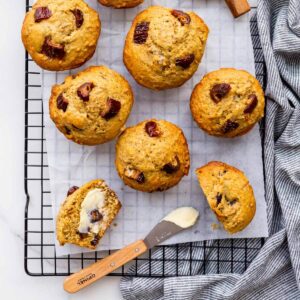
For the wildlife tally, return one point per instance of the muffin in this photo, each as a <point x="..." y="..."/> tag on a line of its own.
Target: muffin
<point x="152" y="156"/>
<point x="227" y="102"/>
<point x="86" y="214"/>
<point x="229" y="195"/>
<point x="61" y="35"/>
<point x="121" y="3"/>
<point x="91" y="107"/>
<point x="164" y="47"/>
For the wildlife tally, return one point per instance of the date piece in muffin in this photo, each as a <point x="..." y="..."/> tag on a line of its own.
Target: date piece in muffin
<point x="121" y="3"/>
<point x="227" y="102"/>
<point x="61" y="35"/>
<point x="91" y="107"/>
<point x="164" y="47"/>
<point x="229" y="195"/>
<point x="152" y="156"/>
<point x="86" y="214"/>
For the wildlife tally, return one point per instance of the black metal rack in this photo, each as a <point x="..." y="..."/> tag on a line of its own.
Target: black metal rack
<point x="40" y="257"/>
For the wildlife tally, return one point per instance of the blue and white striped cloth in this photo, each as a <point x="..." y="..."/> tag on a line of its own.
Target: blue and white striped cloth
<point x="275" y="272"/>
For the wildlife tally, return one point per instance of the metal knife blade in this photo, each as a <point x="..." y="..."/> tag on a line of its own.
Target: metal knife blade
<point x="161" y="232"/>
<point x="167" y="227"/>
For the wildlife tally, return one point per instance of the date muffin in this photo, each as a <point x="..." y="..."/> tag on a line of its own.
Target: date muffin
<point x="164" y="47"/>
<point x="152" y="156"/>
<point x="86" y="214"/>
<point x="229" y="195"/>
<point x="91" y="107"/>
<point x="61" y="35"/>
<point x="227" y="102"/>
<point x="121" y="3"/>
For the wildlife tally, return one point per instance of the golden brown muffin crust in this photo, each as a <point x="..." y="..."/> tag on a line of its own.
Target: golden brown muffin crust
<point x="61" y="35"/>
<point x="227" y="102"/>
<point x="121" y="3"/>
<point x="164" y="47"/>
<point x="152" y="156"/>
<point x="85" y="119"/>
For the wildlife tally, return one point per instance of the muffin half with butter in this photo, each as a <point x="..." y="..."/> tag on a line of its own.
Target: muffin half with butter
<point x="86" y="214"/>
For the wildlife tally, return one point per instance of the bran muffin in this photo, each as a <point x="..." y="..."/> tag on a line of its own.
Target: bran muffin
<point x="121" y="3"/>
<point x="61" y="35"/>
<point x="229" y="195"/>
<point x="227" y="102"/>
<point x="164" y="47"/>
<point x="152" y="156"/>
<point x="91" y="107"/>
<point x="86" y="214"/>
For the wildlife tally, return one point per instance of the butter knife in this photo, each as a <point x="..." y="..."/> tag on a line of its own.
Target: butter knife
<point x="176" y="221"/>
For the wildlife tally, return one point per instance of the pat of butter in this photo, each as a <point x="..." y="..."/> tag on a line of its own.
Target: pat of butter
<point x="183" y="217"/>
<point x="93" y="200"/>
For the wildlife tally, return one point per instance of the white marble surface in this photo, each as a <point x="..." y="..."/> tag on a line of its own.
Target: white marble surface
<point x="14" y="283"/>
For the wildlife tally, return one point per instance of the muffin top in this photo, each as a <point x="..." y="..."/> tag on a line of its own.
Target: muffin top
<point x="229" y="194"/>
<point x="91" y="107"/>
<point x="152" y="156"/>
<point x="61" y="35"/>
<point x="164" y="47"/>
<point x="121" y="3"/>
<point x="227" y="102"/>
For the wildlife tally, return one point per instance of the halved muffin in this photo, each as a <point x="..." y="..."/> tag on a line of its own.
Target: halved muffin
<point x="86" y="214"/>
<point x="229" y="194"/>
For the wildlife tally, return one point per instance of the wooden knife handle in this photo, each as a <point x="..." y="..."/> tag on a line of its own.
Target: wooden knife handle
<point x="238" y="7"/>
<point x="90" y="274"/>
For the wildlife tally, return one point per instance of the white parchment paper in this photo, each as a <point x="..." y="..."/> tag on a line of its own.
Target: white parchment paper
<point x="229" y="45"/>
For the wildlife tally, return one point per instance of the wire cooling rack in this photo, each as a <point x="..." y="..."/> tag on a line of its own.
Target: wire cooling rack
<point x="221" y="256"/>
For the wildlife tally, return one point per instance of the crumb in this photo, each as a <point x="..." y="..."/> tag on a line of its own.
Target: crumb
<point x="214" y="226"/>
